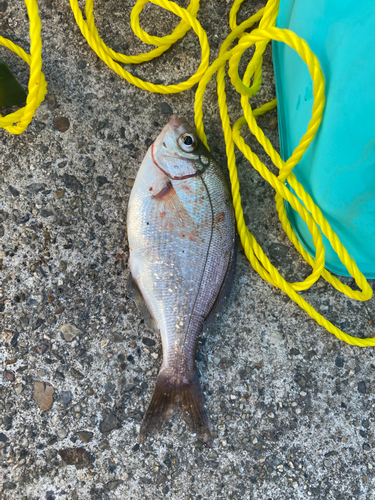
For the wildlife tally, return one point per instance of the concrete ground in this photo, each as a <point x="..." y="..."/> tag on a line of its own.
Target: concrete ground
<point x="292" y="407"/>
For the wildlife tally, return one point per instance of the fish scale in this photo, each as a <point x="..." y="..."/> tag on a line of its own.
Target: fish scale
<point x="181" y="232"/>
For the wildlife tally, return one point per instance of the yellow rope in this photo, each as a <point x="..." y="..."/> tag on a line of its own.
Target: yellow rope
<point x="260" y="37"/>
<point x="110" y="57"/>
<point x="18" y="121"/>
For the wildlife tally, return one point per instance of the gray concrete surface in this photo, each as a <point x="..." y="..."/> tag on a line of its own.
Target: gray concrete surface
<point x="291" y="406"/>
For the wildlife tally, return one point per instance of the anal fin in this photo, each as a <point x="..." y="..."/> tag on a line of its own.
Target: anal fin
<point x="225" y="289"/>
<point x="136" y="295"/>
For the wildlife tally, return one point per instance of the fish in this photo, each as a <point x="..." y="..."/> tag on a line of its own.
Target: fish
<point x="182" y="253"/>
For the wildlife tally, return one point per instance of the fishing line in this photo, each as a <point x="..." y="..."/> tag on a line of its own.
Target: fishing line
<point x="260" y="37"/>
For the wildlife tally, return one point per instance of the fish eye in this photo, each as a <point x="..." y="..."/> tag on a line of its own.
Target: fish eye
<point x="187" y="142"/>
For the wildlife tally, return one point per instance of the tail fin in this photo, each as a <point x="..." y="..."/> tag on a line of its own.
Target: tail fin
<point x="175" y="391"/>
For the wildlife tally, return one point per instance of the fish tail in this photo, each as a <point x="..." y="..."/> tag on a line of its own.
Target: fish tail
<point x="173" y="392"/>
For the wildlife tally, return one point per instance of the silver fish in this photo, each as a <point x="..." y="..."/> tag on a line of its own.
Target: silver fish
<point x="182" y="241"/>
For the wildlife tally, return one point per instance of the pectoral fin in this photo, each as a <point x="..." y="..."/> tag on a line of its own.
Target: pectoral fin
<point x="160" y="188"/>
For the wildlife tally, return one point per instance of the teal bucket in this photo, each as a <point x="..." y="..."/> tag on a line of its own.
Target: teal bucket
<point x="338" y="169"/>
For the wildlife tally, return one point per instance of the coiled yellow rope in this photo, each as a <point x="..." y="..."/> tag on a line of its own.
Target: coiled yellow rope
<point x="110" y="57"/>
<point x="301" y="202"/>
<point x="18" y="121"/>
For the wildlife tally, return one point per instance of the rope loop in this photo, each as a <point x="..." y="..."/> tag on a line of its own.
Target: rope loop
<point x="18" y="121"/>
<point x="112" y="59"/>
<point x="180" y="31"/>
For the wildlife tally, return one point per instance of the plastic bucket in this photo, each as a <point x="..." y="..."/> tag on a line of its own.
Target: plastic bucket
<point x="338" y="169"/>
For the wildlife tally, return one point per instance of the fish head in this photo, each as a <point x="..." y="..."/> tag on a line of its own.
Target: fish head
<point x="178" y="152"/>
